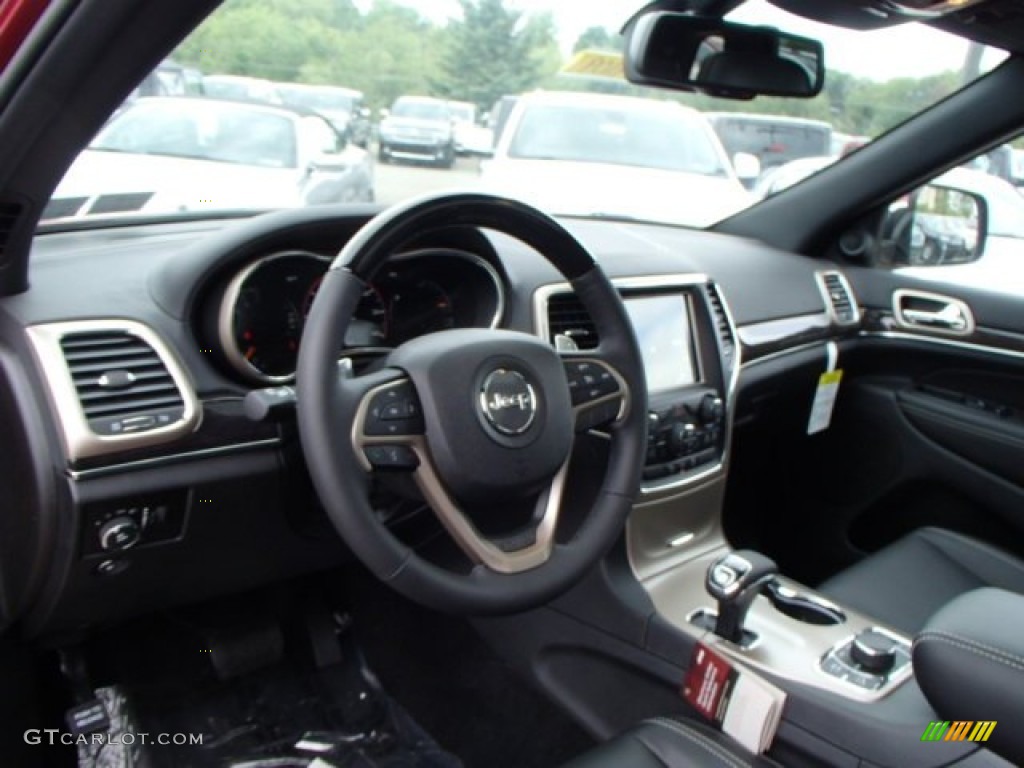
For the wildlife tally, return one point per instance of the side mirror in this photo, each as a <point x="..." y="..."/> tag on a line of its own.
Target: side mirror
<point x="383" y="113"/>
<point x="746" y="165"/>
<point x="364" y="112"/>
<point x="694" y="53"/>
<point x="934" y="225"/>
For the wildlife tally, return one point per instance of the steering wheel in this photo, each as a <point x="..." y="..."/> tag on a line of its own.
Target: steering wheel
<point x="476" y="416"/>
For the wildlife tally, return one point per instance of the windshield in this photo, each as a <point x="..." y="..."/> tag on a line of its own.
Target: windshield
<point x="663" y="139"/>
<point x="202" y="130"/>
<point x="503" y="67"/>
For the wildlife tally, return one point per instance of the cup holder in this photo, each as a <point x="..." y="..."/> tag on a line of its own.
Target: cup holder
<point x="803" y="607"/>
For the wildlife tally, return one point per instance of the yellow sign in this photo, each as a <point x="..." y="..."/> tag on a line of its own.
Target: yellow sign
<point x="596" y="64"/>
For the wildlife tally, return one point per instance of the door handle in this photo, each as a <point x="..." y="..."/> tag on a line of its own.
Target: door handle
<point x="918" y="309"/>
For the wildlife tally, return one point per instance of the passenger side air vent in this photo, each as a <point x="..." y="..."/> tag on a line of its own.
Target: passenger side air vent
<point x="568" y="318"/>
<point x="723" y="328"/>
<point x="116" y="385"/>
<point x="842" y="305"/>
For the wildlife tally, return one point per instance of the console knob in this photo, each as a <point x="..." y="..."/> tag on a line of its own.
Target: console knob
<point x="873" y="652"/>
<point x="119" y="533"/>
<point x="711" y="409"/>
<point x="681" y="437"/>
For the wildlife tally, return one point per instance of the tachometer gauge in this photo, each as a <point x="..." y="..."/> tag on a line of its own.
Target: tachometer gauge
<point x="419" y="307"/>
<point x="264" y="311"/>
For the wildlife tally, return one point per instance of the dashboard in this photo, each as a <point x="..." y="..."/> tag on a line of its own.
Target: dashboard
<point x="204" y="499"/>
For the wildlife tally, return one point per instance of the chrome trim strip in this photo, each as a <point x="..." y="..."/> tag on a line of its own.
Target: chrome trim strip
<point x="830" y="309"/>
<point x="786" y="352"/>
<point x="665" y="284"/>
<point x="459" y="527"/>
<point x="942" y="342"/>
<point x="774" y="331"/>
<point x="79" y="440"/>
<point x="172" y="458"/>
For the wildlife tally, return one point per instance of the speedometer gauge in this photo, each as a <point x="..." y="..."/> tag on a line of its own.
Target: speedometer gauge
<point x="264" y="311"/>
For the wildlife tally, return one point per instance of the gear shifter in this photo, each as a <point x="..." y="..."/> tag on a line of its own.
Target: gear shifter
<point x="734" y="580"/>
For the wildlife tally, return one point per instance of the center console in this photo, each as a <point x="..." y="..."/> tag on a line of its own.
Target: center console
<point x="786" y="630"/>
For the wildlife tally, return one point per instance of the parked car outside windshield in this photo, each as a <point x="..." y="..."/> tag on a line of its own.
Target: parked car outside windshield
<point x="615" y="156"/>
<point x="170" y="155"/>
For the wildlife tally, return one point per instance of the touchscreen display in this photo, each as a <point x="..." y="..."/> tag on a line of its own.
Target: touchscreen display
<point x="662" y="325"/>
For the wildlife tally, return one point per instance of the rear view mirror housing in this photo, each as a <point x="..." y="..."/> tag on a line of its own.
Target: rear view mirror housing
<point x="720" y="58"/>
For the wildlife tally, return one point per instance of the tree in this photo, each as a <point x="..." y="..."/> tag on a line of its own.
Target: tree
<point x="597" y="39"/>
<point x="491" y="52"/>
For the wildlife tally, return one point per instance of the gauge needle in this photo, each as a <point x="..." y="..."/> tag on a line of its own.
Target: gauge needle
<point x="250" y="352"/>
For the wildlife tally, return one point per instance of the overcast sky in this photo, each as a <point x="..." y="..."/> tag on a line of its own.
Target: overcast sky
<point x="910" y="50"/>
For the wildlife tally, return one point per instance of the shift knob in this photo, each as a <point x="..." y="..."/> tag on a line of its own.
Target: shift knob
<point x="734" y="580"/>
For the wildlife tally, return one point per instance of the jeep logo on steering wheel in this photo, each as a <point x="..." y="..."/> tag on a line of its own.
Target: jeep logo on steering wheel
<point x="508" y="401"/>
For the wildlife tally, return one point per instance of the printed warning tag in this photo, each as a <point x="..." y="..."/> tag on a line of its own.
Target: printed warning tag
<point x="824" y="401"/>
<point x="739" y="702"/>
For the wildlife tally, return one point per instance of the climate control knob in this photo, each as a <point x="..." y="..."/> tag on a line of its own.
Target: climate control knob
<point x="119" y="533"/>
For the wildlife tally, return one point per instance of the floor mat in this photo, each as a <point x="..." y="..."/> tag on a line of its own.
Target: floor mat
<point x="287" y="714"/>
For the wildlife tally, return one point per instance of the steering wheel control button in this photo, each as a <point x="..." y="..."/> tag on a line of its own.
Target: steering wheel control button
<point x="508" y="401"/>
<point x="589" y="380"/>
<point x="394" y="411"/>
<point x="391" y="457"/>
<point x="119" y="534"/>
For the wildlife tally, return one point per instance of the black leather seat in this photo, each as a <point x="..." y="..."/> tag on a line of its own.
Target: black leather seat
<point x="905" y="583"/>
<point x="664" y="743"/>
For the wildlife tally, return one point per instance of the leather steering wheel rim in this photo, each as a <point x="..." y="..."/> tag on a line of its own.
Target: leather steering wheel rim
<point x="329" y="404"/>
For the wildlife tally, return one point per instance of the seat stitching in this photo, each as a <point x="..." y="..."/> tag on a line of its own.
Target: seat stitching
<point x="700" y="740"/>
<point x="997" y="655"/>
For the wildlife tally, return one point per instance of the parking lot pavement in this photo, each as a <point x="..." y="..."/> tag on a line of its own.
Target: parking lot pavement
<point x="397" y="182"/>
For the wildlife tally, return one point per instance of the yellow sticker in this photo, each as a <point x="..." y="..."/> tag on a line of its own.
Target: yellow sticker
<point x="824" y="401"/>
<point x="830" y="377"/>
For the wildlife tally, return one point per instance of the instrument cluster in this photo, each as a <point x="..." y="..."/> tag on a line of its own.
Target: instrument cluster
<point x="263" y="307"/>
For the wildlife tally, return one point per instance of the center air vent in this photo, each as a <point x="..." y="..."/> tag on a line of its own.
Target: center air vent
<point x="723" y="328"/>
<point x="839" y="297"/>
<point x="122" y="384"/>
<point x="115" y="384"/>
<point x="568" y="318"/>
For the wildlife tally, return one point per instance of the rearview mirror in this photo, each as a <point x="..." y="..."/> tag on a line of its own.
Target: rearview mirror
<point x="935" y="225"/>
<point x="693" y="53"/>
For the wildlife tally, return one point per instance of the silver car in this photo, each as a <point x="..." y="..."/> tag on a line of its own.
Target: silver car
<point x="164" y="155"/>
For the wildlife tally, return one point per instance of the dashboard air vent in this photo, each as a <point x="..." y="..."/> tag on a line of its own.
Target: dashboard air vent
<point x="567" y="317"/>
<point x="839" y="296"/>
<point x="726" y="339"/>
<point x="121" y="382"/>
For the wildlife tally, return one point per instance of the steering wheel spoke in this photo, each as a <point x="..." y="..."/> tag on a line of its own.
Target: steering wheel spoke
<point x="481" y="550"/>
<point x="598" y="392"/>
